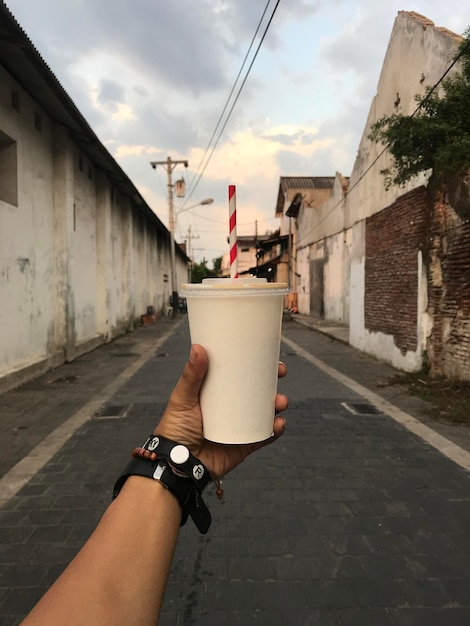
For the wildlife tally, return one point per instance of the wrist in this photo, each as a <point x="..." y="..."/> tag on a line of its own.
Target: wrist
<point x="144" y="490"/>
<point x="173" y="465"/>
<point x="179" y="457"/>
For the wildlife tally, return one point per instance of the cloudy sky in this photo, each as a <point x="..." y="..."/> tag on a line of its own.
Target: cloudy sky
<point x="152" y="78"/>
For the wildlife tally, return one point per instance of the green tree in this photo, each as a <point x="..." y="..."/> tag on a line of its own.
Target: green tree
<point x="217" y="265"/>
<point x="437" y="136"/>
<point x="200" y="271"/>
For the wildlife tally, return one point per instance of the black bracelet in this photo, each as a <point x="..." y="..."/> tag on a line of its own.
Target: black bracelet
<point x="183" y="488"/>
<point x="180" y="459"/>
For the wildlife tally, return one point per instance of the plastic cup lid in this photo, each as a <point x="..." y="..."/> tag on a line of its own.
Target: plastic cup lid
<point x="246" y="285"/>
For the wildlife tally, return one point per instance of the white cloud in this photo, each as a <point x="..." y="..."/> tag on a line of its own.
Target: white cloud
<point x="151" y="78"/>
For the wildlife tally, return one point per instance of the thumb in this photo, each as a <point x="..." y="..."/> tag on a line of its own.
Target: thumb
<point x="188" y="386"/>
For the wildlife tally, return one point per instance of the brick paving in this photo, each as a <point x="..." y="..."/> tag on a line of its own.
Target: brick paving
<point x="348" y="520"/>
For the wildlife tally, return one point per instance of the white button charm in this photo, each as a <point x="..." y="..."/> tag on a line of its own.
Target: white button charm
<point x="179" y="454"/>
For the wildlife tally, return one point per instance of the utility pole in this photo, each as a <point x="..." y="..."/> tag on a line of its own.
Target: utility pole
<point x="256" y="246"/>
<point x="190" y="251"/>
<point x="170" y="165"/>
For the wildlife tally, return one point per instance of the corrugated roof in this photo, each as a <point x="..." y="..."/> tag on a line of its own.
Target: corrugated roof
<point x="301" y="183"/>
<point x="307" y="182"/>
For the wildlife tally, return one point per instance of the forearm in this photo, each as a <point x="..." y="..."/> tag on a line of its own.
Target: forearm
<point x="120" y="575"/>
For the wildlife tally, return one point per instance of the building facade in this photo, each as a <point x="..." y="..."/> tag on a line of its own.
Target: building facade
<point x="264" y="256"/>
<point x="82" y="256"/>
<point x="394" y="264"/>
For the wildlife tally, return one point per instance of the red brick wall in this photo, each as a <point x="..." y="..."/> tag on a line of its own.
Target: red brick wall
<point x="393" y="238"/>
<point x="449" y="284"/>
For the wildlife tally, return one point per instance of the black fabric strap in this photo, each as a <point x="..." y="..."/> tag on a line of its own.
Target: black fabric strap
<point x="182" y="488"/>
<point x="170" y="451"/>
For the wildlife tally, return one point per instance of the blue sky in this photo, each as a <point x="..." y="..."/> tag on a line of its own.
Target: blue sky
<point x="151" y="77"/>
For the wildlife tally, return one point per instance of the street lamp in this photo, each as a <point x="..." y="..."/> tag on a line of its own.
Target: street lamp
<point x="173" y="217"/>
<point x="203" y="202"/>
<point x="170" y="165"/>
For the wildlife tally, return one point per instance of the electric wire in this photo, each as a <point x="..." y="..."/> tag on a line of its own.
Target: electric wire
<point x="209" y="219"/>
<point x="368" y="169"/>
<point x="198" y="176"/>
<point x="229" y="97"/>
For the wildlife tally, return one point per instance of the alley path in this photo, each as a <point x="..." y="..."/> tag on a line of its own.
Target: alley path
<point x="349" y="520"/>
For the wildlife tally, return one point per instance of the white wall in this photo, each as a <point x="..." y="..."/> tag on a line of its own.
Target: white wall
<point x="26" y="237"/>
<point x="82" y="250"/>
<point x="425" y="52"/>
<point x="320" y="235"/>
<point x="417" y="56"/>
<point x="79" y="263"/>
<point x="334" y="281"/>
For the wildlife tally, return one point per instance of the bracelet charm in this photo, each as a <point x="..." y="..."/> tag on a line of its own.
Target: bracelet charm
<point x="178" y="470"/>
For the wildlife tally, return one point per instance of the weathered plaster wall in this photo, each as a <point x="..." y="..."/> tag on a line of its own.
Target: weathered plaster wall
<point x="320" y="237"/>
<point x="79" y="262"/>
<point x="374" y="245"/>
<point x="426" y="52"/>
<point x="82" y="250"/>
<point x="303" y="284"/>
<point x="26" y="269"/>
<point x="336" y="278"/>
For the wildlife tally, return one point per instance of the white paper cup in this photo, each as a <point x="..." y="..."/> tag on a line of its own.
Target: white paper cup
<point x="238" y="321"/>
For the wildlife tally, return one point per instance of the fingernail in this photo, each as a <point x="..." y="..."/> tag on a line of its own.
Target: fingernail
<point x="192" y="355"/>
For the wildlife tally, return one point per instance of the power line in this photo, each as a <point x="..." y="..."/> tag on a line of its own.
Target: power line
<point x="209" y="219"/>
<point x="362" y="176"/>
<point x="229" y="96"/>
<point x="192" y="187"/>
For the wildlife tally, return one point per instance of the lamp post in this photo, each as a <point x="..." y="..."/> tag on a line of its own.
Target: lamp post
<point x="193" y="206"/>
<point x="203" y="202"/>
<point x="170" y="165"/>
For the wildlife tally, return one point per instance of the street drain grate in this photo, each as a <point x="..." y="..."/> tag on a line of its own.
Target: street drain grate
<point x="112" y="411"/>
<point x="162" y="354"/>
<point x="358" y="408"/>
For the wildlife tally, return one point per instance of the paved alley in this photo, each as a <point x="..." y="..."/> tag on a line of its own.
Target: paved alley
<point x="351" y="519"/>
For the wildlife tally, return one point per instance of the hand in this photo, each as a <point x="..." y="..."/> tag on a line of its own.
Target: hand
<point x="182" y="420"/>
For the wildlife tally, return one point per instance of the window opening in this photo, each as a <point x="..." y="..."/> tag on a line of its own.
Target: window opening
<point x="8" y="170"/>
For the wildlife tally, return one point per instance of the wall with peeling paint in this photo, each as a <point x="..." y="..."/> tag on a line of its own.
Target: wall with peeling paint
<point x="80" y="260"/>
<point x="367" y="259"/>
<point x="426" y="51"/>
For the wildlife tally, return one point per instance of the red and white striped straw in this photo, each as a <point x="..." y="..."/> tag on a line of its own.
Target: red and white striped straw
<point x="232" y="205"/>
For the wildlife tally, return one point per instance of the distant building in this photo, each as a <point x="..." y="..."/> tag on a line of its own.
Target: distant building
<point x="394" y="264"/>
<point x="299" y="198"/>
<point x="264" y="256"/>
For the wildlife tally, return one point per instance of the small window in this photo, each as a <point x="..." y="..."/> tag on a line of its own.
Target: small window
<point x="38" y="122"/>
<point x="244" y="249"/>
<point x="90" y="172"/>
<point x="80" y="163"/>
<point x="15" y="100"/>
<point x="8" y="170"/>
